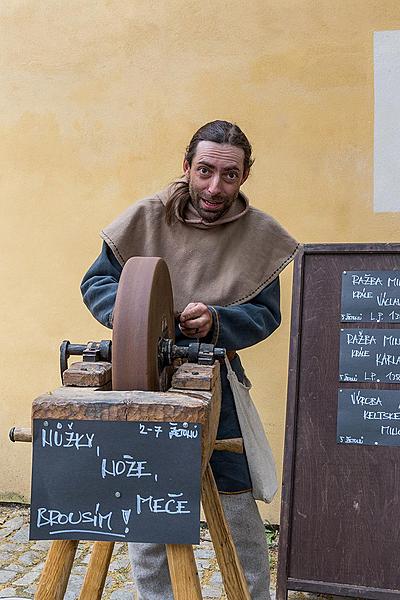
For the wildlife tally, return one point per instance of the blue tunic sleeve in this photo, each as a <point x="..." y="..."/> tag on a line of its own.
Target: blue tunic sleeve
<point x="241" y="326"/>
<point x="99" y="286"/>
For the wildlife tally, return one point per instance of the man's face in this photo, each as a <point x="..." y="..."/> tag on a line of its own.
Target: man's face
<point x="215" y="177"/>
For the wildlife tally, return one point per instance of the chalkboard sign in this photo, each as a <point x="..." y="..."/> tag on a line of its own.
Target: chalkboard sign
<point x="370" y="296"/>
<point x="371" y="355"/>
<point x="339" y="499"/>
<point x="121" y="481"/>
<point x="368" y="416"/>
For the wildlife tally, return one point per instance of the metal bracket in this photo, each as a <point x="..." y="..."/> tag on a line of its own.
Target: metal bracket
<point x="196" y="352"/>
<point x="91" y="352"/>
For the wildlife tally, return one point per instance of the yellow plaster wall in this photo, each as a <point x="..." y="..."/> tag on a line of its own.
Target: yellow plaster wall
<point x="98" y="100"/>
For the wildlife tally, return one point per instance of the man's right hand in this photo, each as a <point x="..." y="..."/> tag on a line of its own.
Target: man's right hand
<point x="195" y="321"/>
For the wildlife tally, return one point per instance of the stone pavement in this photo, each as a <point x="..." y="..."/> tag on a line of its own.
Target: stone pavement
<point x="21" y="562"/>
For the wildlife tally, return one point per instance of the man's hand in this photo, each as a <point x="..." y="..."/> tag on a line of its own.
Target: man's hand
<point x="195" y="320"/>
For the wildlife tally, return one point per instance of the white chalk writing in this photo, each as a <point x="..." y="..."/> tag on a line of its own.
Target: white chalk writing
<point x="127" y="466"/>
<point x="66" y="439"/>
<point x="358" y="398"/>
<point x="49" y="517"/>
<point x="172" y="505"/>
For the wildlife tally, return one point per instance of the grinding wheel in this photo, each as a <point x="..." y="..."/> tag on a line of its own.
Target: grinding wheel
<point x="143" y="315"/>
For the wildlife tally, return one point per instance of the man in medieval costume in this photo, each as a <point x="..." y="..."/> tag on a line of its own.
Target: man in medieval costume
<point x="224" y="258"/>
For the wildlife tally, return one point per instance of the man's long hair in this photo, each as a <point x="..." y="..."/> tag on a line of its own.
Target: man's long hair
<point x="220" y="132"/>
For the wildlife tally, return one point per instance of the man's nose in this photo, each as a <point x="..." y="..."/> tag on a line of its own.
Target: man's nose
<point x="214" y="185"/>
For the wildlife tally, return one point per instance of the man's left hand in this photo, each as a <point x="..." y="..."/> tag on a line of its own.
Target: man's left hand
<point x="195" y="320"/>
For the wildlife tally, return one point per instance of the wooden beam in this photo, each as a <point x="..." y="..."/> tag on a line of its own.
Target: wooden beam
<point x="182" y="568"/>
<point x="57" y="569"/>
<point x="95" y="578"/>
<point x="24" y="434"/>
<point x="229" y="445"/>
<point x="231" y="570"/>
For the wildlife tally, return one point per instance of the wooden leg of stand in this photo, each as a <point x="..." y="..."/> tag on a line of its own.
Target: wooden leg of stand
<point x="231" y="569"/>
<point x="183" y="571"/>
<point x="57" y="569"/>
<point x="95" y="578"/>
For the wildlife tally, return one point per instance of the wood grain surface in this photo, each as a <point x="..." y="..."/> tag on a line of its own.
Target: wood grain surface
<point x="231" y="570"/>
<point x="87" y="374"/>
<point x="57" y="569"/>
<point x="96" y="573"/>
<point x="182" y="567"/>
<point x="340" y="501"/>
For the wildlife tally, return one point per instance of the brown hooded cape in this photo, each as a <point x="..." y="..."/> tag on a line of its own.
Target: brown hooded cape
<point x="223" y="263"/>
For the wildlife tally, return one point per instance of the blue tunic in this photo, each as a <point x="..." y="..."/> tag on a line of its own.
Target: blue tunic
<point x="234" y="328"/>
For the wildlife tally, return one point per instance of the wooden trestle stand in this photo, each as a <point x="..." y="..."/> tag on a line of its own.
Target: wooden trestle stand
<point x="195" y="397"/>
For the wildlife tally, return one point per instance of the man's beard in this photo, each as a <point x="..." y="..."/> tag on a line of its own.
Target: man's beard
<point x="210" y="216"/>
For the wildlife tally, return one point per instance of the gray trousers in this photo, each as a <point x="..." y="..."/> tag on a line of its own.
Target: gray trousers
<point x="150" y="566"/>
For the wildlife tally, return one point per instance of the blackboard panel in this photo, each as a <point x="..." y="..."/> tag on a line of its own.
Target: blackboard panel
<point x="121" y="481"/>
<point x="371" y="296"/>
<point x="339" y="500"/>
<point x="371" y="355"/>
<point x="369" y="417"/>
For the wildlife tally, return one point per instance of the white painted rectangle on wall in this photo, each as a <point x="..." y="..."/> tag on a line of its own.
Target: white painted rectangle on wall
<point x="387" y="121"/>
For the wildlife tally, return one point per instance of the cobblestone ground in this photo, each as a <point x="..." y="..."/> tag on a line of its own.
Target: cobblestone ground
<point x="21" y="562"/>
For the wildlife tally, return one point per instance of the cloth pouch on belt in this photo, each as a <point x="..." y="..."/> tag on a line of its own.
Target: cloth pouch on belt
<point x="258" y="451"/>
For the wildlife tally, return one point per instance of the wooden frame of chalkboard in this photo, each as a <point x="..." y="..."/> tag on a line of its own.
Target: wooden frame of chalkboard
<point x="340" y="502"/>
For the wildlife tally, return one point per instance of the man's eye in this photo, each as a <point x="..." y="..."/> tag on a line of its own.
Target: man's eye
<point x="232" y="175"/>
<point x="204" y="170"/>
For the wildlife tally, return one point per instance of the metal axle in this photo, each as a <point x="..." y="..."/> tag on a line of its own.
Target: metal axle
<point x="196" y="352"/>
